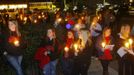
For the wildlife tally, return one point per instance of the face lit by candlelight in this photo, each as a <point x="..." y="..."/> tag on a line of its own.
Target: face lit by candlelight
<point x="12" y="26"/>
<point x="107" y="32"/>
<point x="70" y="34"/>
<point x="50" y="33"/>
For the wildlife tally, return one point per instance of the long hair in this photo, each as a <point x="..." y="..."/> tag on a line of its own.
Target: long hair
<point x="103" y="34"/>
<point x="85" y="37"/>
<point x="16" y="25"/>
<point x="123" y="30"/>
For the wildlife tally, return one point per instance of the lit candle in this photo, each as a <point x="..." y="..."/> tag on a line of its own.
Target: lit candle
<point x="59" y="20"/>
<point x="76" y="48"/>
<point x="93" y="23"/>
<point x="16" y="42"/>
<point x="130" y="41"/>
<point x="98" y="17"/>
<point x="103" y="44"/>
<point x="39" y="17"/>
<point x="82" y="18"/>
<point x="127" y="45"/>
<point x="35" y="21"/>
<point x="43" y="16"/>
<point x="25" y="18"/>
<point x="66" y="19"/>
<point x="66" y="49"/>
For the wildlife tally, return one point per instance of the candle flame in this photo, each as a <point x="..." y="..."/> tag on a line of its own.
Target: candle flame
<point x="130" y="41"/>
<point x="16" y="43"/>
<point x="66" y="49"/>
<point x="127" y="45"/>
<point x="59" y="20"/>
<point x="25" y="18"/>
<point x="35" y="21"/>
<point x="103" y="44"/>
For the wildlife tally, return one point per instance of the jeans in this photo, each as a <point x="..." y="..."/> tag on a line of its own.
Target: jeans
<point x="50" y="68"/>
<point x="15" y="61"/>
<point x="67" y="66"/>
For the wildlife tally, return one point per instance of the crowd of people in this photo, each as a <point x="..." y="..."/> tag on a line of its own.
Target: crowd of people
<point x="72" y="40"/>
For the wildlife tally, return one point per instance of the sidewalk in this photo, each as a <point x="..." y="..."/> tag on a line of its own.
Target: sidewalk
<point x="96" y="69"/>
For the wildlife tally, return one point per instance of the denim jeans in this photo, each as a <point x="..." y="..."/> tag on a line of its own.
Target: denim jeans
<point x="50" y="68"/>
<point x="15" y="61"/>
<point x="67" y="66"/>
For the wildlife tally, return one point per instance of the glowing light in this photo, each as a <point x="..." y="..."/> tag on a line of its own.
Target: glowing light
<point x="59" y="20"/>
<point x="127" y="45"/>
<point x="35" y="21"/>
<point x="39" y="17"/>
<point x="68" y="26"/>
<point x="16" y="42"/>
<point x="130" y="41"/>
<point x="103" y="44"/>
<point x="66" y="49"/>
<point x="76" y="48"/>
<point x="25" y="18"/>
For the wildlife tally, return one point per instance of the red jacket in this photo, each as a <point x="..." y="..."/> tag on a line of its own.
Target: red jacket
<point x="41" y="57"/>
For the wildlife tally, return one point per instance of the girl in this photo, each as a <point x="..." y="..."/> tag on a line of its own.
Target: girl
<point x="67" y="59"/>
<point x="13" y="46"/>
<point x="83" y="51"/>
<point x="48" y="52"/>
<point x="104" y="46"/>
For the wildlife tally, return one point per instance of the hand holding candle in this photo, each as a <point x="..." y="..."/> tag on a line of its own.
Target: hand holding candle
<point x="59" y="20"/>
<point x="103" y="44"/>
<point x="16" y="42"/>
<point x="130" y="41"/>
<point x="66" y="49"/>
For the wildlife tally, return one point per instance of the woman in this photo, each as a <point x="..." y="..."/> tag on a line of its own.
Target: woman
<point x="83" y="51"/>
<point x="126" y="57"/>
<point x="48" y="53"/>
<point x="13" y="46"/>
<point x="104" y="46"/>
<point x="96" y="30"/>
<point x="67" y="59"/>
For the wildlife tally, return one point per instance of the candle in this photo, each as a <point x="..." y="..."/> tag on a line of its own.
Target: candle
<point x="76" y="48"/>
<point x="35" y="21"/>
<point x="93" y="23"/>
<point x="66" y="49"/>
<point x="98" y="17"/>
<point x="127" y="45"/>
<point x="59" y="20"/>
<point x="25" y="18"/>
<point x="39" y="17"/>
<point x="16" y="42"/>
<point x="103" y="44"/>
<point x="130" y="41"/>
<point x="43" y="16"/>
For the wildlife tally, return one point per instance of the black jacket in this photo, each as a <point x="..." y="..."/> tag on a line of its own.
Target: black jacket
<point x="10" y="48"/>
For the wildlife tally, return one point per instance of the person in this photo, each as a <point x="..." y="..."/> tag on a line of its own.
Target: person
<point x="96" y="30"/>
<point x="14" y="46"/>
<point x="83" y="52"/>
<point x="48" y="53"/>
<point x="67" y="58"/>
<point x="104" y="52"/>
<point x="78" y="26"/>
<point x="125" y="55"/>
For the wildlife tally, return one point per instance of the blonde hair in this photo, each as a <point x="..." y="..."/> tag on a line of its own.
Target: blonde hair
<point x="123" y="30"/>
<point x="17" y="27"/>
<point x="85" y="36"/>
